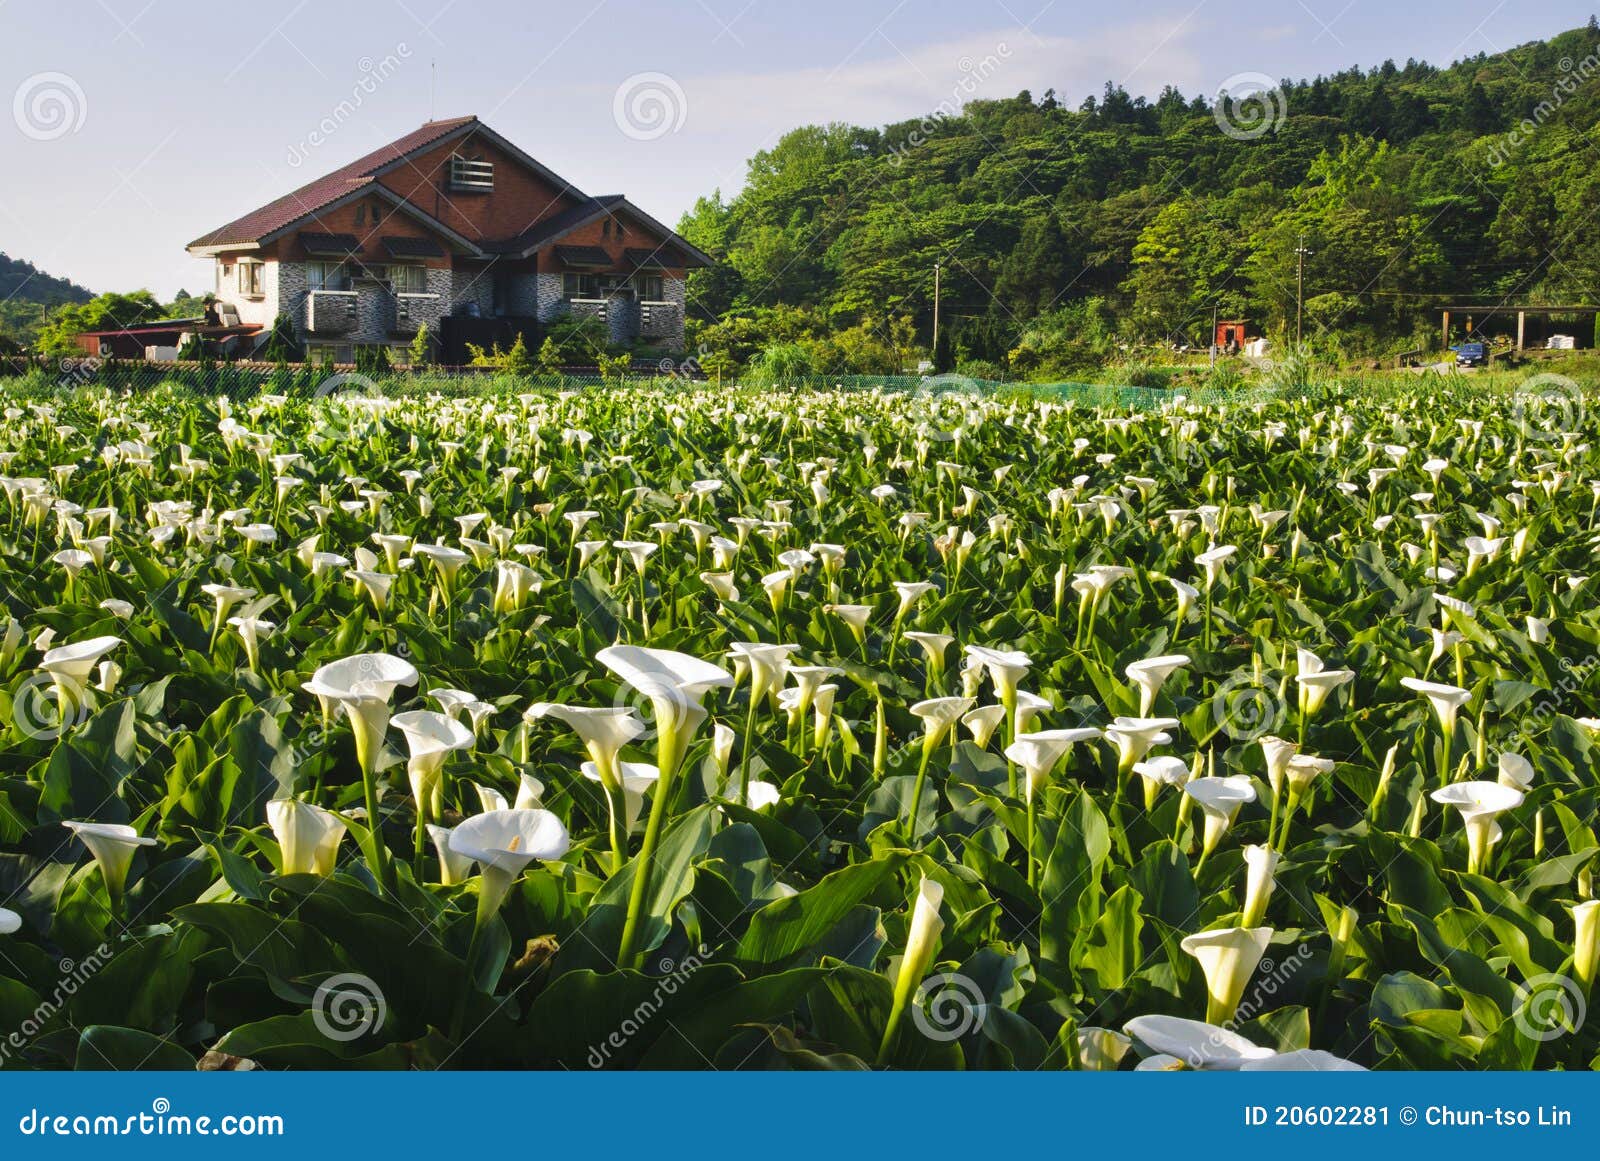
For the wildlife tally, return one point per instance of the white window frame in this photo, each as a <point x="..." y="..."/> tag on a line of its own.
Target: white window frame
<point x="252" y="278"/>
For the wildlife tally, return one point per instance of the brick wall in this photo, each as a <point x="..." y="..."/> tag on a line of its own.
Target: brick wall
<point x="519" y="200"/>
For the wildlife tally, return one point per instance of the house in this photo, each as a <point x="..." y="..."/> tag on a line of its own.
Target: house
<point x="454" y="227"/>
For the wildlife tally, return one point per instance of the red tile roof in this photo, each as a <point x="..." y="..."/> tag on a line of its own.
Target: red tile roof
<point x="309" y="198"/>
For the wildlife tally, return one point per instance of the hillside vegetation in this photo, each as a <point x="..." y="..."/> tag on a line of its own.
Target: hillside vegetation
<point x="1070" y="236"/>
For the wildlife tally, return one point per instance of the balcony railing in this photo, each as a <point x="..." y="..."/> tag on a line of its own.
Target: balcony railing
<point x="331" y="312"/>
<point x="409" y="311"/>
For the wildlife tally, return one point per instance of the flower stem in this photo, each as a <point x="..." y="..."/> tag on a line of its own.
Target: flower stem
<point x="666" y="749"/>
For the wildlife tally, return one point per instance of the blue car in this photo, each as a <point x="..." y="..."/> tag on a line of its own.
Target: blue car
<point x="1471" y="354"/>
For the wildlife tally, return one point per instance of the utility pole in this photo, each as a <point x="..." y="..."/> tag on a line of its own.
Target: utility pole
<point x="936" y="311"/>
<point x="1300" y="253"/>
<point x="1213" y="344"/>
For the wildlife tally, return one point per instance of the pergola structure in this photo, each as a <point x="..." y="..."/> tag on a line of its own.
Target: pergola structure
<point x="1476" y="315"/>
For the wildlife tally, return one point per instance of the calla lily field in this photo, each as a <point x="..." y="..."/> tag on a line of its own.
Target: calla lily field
<point x="673" y="727"/>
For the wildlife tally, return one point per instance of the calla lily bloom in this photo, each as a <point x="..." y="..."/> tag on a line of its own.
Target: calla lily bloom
<point x="1478" y="804"/>
<point x="1158" y="772"/>
<point x="1197" y="1045"/>
<point x="113" y="845"/>
<point x="1220" y="799"/>
<point x="251" y="630"/>
<point x="1006" y="669"/>
<point x="1586" y="941"/>
<point x="1101" y="1049"/>
<point x="1316" y="682"/>
<point x="922" y="945"/>
<point x="1446" y="700"/>
<point x="939" y="716"/>
<point x="503" y="843"/>
<point x="1228" y="957"/>
<point x="10" y="921"/>
<point x="768" y="665"/>
<point x="1301" y="1060"/>
<point x="1261" y="865"/>
<point x="854" y="616"/>
<point x="1134" y="737"/>
<point x="1515" y="771"/>
<point x="982" y="723"/>
<point x="430" y="736"/>
<point x="1039" y="753"/>
<point x="453" y="867"/>
<point x="308" y="836"/>
<point x="1151" y="674"/>
<point x="637" y="779"/>
<point x="676" y="685"/>
<point x="69" y="666"/>
<point x="1212" y="561"/>
<point x="362" y="685"/>
<point x="603" y="731"/>
<point x="514" y="582"/>
<point x="1277" y="753"/>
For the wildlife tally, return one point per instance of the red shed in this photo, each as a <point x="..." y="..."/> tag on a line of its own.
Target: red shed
<point x="1231" y="331"/>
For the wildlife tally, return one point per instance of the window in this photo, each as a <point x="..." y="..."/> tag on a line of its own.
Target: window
<point x="580" y="285"/>
<point x="648" y="287"/>
<point x="327" y="276"/>
<point x="250" y="279"/>
<point x="361" y="215"/>
<point x="224" y="275"/>
<point x="408" y="279"/>
<point x="318" y="353"/>
<point x="605" y="228"/>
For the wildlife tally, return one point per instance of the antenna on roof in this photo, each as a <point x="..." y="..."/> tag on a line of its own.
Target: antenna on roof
<point x="433" y="73"/>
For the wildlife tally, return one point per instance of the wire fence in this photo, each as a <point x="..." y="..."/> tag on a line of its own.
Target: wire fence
<point x="242" y="381"/>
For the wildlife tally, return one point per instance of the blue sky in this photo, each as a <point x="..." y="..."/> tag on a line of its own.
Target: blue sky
<point x="138" y="124"/>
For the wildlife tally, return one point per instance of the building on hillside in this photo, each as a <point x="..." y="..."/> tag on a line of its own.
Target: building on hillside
<point x="1231" y="334"/>
<point x="454" y="227"/>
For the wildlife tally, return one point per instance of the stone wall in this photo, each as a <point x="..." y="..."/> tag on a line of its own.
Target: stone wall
<point x="471" y="284"/>
<point x="550" y="297"/>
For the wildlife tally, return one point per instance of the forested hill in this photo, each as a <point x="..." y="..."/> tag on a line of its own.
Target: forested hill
<point x="1065" y="231"/>
<point x="22" y="281"/>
